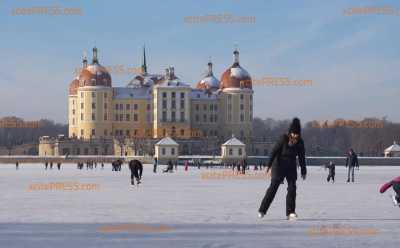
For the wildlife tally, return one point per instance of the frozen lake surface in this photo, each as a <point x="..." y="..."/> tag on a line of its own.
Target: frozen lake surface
<point x="182" y="209"/>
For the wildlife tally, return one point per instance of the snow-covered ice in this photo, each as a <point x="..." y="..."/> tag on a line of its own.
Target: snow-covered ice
<point x="198" y="212"/>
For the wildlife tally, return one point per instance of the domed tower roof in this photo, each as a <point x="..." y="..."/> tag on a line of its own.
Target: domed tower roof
<point x="94" y="74"/>
<point x="73" y="87"/>
<point x="209" y="82"/>
<point x="144" y="78"/>
<point x="236" y="76"/>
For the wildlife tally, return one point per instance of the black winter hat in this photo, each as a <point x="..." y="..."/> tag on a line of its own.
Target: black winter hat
<point x="295" y="127"/>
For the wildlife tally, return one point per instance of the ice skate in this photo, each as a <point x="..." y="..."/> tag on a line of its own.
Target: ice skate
<point x="395" y="200"/>
<point x="292" y="217"/>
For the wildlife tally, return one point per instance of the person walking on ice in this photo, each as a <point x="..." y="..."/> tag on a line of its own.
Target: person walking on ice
<point x="282" y="163"/>
<point x="136" y="169"/>
<point x="395" y="184"/>
<point x="351" y="162"/>
<point x="331" y="168"/>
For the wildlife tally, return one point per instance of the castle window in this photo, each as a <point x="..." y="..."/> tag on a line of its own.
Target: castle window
<point x="163" y="151"/>
<point x="182" y="117"/>
<point x="173" y="116"/>
<point x="241" y="97"/>
<point x="82" y="105"/>
<point x="121" y="106"/>
<point x="173" y="94"/>
<point x="172" y="151"/>
<point x="164" y="116"/>
<point x="128" y="117"/>
<point x="116" y="106"/>
<point x="182" y="132"/>
<point x="93" y="116"/>
<point x="81" y="117"/>
<point x="135" y="106"/>
<point x="105" y="105"/>
<point x="164" y="94"/>
<point x="173" y="104"/>
<point x="93" y="132"/>
<point x="93" y="94"/>
<point x="230" y="151"/>
<point x="182" y="104"/>
<point x="93" y="105"/>
<point x="121" y="117"/>
<point x="241" y="106"/>
<point x="135" y="132"/>
<point x="182" y="94"/>
<point x="197" y="107"/>
<point x="128" y="106"/>
<point x="105" y="94"/>
<point x="211" y="107"/>
<point x="241" y="117"/>
<point x="240" y="151"/>
<point x="148" y="107"/>
<point x="127" y="133"/>
<point x="164" y="104"/>
<point x="73" y="111"/>
<point x="204" y="107"/>
<point x="204" y="118"/>
<point x="82" y="132"/>
<point x="81" y="94"/>
<point x="197" y="118"/>
<point x="135" y="117"/>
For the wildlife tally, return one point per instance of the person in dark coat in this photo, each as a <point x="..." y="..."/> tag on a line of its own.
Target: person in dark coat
<point x="282" y="162"/>
<point x="136" y="169"/>
<point x="351" y="163"/>
<point x="59" y="165"/>
<point x="16" y="165"/>
<point x="331" y="168"/>
<point x="243" y="165"/>
<point x="170" y="167"/>
<point x="45" y="165"/>
<point x="155" y="165"/>
<point x="51" y="165"/>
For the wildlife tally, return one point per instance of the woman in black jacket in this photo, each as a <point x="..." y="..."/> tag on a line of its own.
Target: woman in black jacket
<point x="283" y="164"/>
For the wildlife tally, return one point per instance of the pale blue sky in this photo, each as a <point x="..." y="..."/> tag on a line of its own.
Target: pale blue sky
<point x="354" y="61"/>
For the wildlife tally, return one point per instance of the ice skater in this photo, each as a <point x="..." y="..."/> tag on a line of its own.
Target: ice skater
<point x="395" y="184"/>
<point x="136" y="168"/>
<point x="59" y="165"/>
<point x="351" y="162"/>
<point x="170" y="167"/>
<point x="282" y="164"/>
<point x="331" y="168"/>
<point x="155" y="163"/>
<point x="16" y="165"/>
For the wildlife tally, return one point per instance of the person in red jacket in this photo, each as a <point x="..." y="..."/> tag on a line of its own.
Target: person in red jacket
<point x="395" y="184"/>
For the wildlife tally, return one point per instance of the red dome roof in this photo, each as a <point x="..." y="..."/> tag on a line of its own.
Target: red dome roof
<point x="73" y="87"/>
<point x="236" y="77"/>
<point x="94" y="75"/>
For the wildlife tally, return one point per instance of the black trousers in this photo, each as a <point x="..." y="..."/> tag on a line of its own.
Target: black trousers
<point x="134" y="174"/>
<point x="350" y="172"/>
<point x="396" y="188"/>
<point x="273" y="188"/>
<point x="331" y="176"/>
